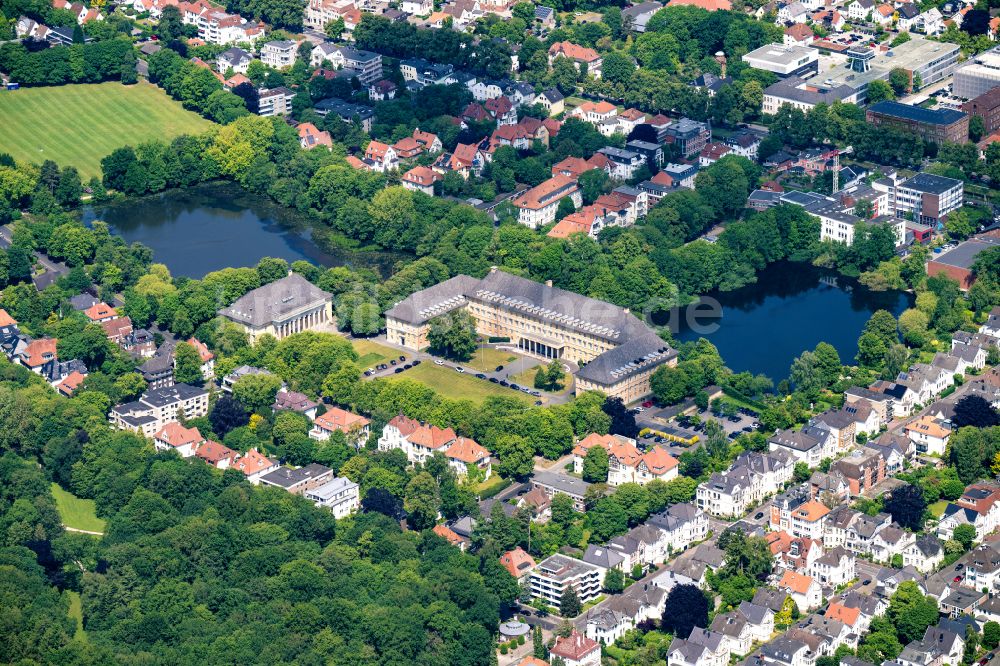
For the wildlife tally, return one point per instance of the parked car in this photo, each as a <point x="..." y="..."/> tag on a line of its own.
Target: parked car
<point x="647" y="404"/>
<point x="392" y="361"/>
<point x="459" y="368"/>
<point x="503" y="383"/>
<point x="759" y="515"/>
<point x="538" y="403"/>
<point x="515" y="386"/>
<point x="494" y="380"/>
<point x="498" y="368"/>
<point x="402" y="358"/>
<point x="866" y="581"/>
<point x="407" y="366"/>
<point x="416" y="361"/>
<point x="368" y="373"/>
<point x="480" y="375"/>
<point x="438" y="361"/>
<point x="956" y="579"/>
<point x="398" y="370"/>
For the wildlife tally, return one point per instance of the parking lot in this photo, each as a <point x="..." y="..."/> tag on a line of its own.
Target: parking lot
<point x="734" y="425"/>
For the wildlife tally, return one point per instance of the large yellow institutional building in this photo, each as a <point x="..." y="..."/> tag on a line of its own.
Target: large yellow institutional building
<point x="616" y="351"/>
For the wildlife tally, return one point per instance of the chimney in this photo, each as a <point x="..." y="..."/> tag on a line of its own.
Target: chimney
<point x="720" y="58"/>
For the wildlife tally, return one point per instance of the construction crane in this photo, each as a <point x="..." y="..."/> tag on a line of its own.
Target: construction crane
<point x="836" y="166"/>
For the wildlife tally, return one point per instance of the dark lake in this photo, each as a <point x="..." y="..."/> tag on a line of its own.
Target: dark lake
<point x="791" y="308"/>
<point x="201" y="229"/>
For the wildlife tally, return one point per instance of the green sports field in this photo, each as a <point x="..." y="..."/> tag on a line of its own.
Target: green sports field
<point x="77" y="125"/>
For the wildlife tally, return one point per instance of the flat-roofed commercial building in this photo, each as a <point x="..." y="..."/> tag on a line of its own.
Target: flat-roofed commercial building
<point x="957" y="262"/>
<point x="617" y="351"/>
<point x="804" y="95"/>
<point x="784" y="60"/>
<point x="933" y="125"/>
<point x="929" y="197"/>
<point x="928" y="60"/>
<point x="979" y="75"/>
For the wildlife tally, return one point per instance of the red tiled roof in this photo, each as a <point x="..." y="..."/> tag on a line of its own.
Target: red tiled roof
<point x="336" y="418"/>
<point x="99" y="311"/>
<point x="6" y="319"/>
<point x="38" y="352"/>
<point x="202" y="350"/>
<point x="574" y="647"/>
<point x="517" y="562"/>
<point x="71" y="382"/>
<point x="421" y="176"/>
<point x="447" y="534"/>
<point x="253" y="462"/>
<point x="573" y="51"/>
<point x="467" y="450"/>
<point x="175" y="435"/>
<point x="213" y="452"/>
<point x="533" y="198"/>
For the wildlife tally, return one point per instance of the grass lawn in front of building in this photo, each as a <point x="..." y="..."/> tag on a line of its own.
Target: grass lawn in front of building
<point x="75" y="512"/>
<point x="486" y="359"/>
<point x="937" y="508"/>
<point x="455" y="385"/>
<point x="78" y="125"/>
<point x="371" y="352"/>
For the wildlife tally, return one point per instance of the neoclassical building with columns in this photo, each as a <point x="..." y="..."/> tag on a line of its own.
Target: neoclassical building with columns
<point x="284" y="307"/>
<point x="617" y="353"/>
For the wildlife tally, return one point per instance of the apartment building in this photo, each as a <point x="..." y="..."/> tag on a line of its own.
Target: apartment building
<point x="274" y="101"/>
<point x="626" y="463"/>
<point x="538" y="206"/>
<point x="557" y="573"/>
<point x="618" y="351"/>
<point x="158" y="407"/>
<point x="582" y="57"/>
<point x="419" y="441"/>
<point x="365" y="65"/>
<point x="298" y="480"/>
<point x="218" y="27"/>
<point x="278" y="54"/>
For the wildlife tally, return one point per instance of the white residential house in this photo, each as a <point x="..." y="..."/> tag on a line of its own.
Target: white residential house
<point x="890" y="541"/>
<point x="235" y="59"/>
<point x="736" y="630"/>
<point x="930" y="435"/>
<point x="417" y="7"/>
<point x="175" y="437"/>
<point x="925" y="554"/>
<point x="760" y="619"/>
<point x="340" y="496"/>
<point x="834" y="568"/>
<point x="804" y="590"/>
<point x="684" y="524"/>
<point x="279" y="53"/>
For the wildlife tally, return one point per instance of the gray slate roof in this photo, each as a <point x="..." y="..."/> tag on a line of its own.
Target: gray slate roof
<point x="274" y="302"/>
